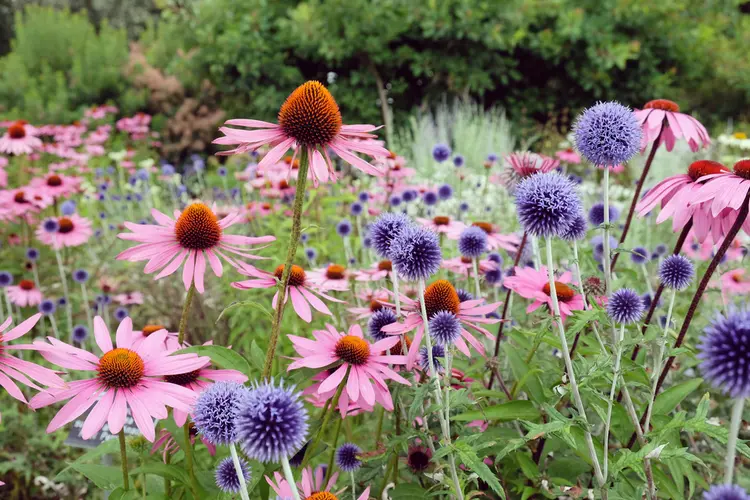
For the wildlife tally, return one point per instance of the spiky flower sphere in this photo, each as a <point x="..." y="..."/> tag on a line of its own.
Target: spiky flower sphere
<point x="438" y="351"/>
<point x="576" y="231"/>
<point x="493" y="276"/>
<point x="596" y="214"/>
<point x="346" y="457"/>
<point x="80" y="276"/>
<point x="607" y="134"/>
<point x="344" y="228"/>
<point x="472" y="242"/>
<point x="271" y="422"/>
<point x="547" y="204"/>
<point x="47" y="307"/>
<point x="378" y="320"/>
<point x="445" y="328"/>
<point x="415" y="253"/>
<point x="441" y="152"/>
<point x="724" y="350"/>
<point x="384" y="230"/>
<point x="639" y="255"/>
<point x="445" y="191"/>
<point x="458" y="161"/>
<point x="625" y="306"/>
<point x="726" y="492"/>
<point x="226" y="475"/>
<point x="32" y="254"/>
<point x="215" y="411"/>
<point x="676" y="272"/>
<point x="463" y="295"/>
<point x="80" y="333"/>
<point x="430" y="198"/>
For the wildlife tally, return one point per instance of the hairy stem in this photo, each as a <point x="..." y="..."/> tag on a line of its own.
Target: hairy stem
<point x="124" y="460"/>
<point x="734" y="428"/>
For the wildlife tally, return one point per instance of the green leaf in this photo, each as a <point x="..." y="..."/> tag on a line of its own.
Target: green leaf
<point x="407" y="491"/>
<point x="221" y="357"/>
<point x="106" y="477"/>
<point x="505" y="412"/>
<point x="669" y="399"/>
<point x="108" y="446"/>
<point x="477" y="465"/>
<point x="172" y="472"/>
<point x="245" y="303"/>
<point x="520" y="371"/>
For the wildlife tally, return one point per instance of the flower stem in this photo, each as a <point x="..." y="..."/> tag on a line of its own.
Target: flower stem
<point x="734" y="428"/>
<point x="333" y="449"/>
<point x="354" y="486"/>
<point x="394" y="279"/>
<point x="299" y="198"/>
<point x="64" y="281"/>
<point x="658" y="361"/>
<point x="185" y="310"/>
<point x="124" y="461"/>
<point x="326" y="418"/>
<point x="617" y="346"/>
<point x="477" y="292"/>
<point x="606" y="257"/>
<point x="238" y="470"/>
<point x="290" y="477"/>
<point x="189" y="459"/>
<point x="87" y="307"/>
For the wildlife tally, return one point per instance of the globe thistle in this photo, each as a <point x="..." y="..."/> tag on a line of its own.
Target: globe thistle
<point x="458" y="161"/>
<point x="215" y="411"/>
<point x="607" y="134"/>
<point x="430" y="198"/>
<point x="68" y="207"/>
<point x="676" y="272"/>
<point x="378" y="320"/>
<point x="597" y="243"/>
<point x="383" y="231"/>
<point x="639" y="255"/>
<point x="298" y="457"/>
<point x="121" y="313"/>
<point x="438" y="351"/>
<point x="441" y="152"/>
<point x="445" y="328"/>
<point x="724" y="350"/>
<point x="496" y="258"/>
<point x="463" y="295"/>
<point x="415" y="253"/>
<point x="625" y="306"/>
<point x="445" y="192"/>
<point x="6" y="279"/>
<point x="344" y="228"/>
<point x="347" y="459"/>
<point x="464" y="207"/>
<point x="32" y="254"/>
<point x="222" y="171"/>
<point x="409" y="195"/>
<point x="472" y="242"/>
<point x="660" y="249"/>
<point x="596" y="214"/>
<point x="576" y="231"/>
<point x="47" y="307"/>
<point x="80" y="333"/>
<point x="395" y="200"/>
<point x="226" y="475"/>
<point x="50" y="225"/>
<point x="493" y="276"/>
<point x="726" y="492"/>
<point x="547" y="204"/>
<point x="311" y="253"/>
<point x="356" y="209"/>
<point x="271" y="422"/>
<point x="62" y="302"/>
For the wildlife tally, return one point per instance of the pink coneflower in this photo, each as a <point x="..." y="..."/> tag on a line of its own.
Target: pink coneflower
<point x="22" y="371"/>
<point x="366" y="364"/>
<point x="374" y="300"/>
<point x="171" y="446"/>
<point x="442" y="224"/>
<point x="72" y="231"/>
<point x="19" y="139"/>
<point x="127" y="377"/>
<point x="726" y="192"/>
<point x="679" y="125"/>
<point x="24" y="294"/>
<point x="396" y="167"/>
<point x="569" y="156"/>
<point x="56" y="185"/>
<point x="319" y="400"/>
<point x="735" y="282"/>
<point x="378" y="271"/>
<point x="302" y="292"/>
<point x="464" y="265"/>
<point x="194" y="236"/>
<point x="129" y="299"/>
<point x="527" y="164"/>
<point x="495" y="239"/>
<point x="442" y="296"/>
<point x="534" y="284"/>
<point x="22" y="201"/>
<point x="309" y="119"/>
<point x="313" y="485"/>
<point x="170" y="340"/>
<point x="332" y="277"/>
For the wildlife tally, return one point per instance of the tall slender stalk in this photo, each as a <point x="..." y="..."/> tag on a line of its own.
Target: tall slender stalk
<point x="477" y="291"/>
<point x="734" y="428"/>
<point x="64" y="281"/>
<point x="326" y="419"/>
<point x="124" y="461"/>
<point x="336" y="433"/>
<point x="299" y="198"/>
<point x="662" y="345"/>
<point x="238" y="470"/>
<point x="290" y="477"/>
<point x="606" y="257"/>
<point x="617" y="346"/>
<point x="186" y="428"/>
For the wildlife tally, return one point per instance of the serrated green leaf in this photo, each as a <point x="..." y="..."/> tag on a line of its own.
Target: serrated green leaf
<point x="504" y="412"/>
<point x="407" y="491"/>
<point x="520" y="370"/>
<point x="477" y="465"/>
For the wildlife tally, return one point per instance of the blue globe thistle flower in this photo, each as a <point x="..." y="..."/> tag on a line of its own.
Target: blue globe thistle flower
<point x="344" y="228"/>
<point x="298" y="457"/>
<point x="438" y="352"/>
<point x="496" y="258"/>
<point x="311" y="253"/>
<point x="68" y="207"/>
<point x="458" y="161"/>
<point x="364" y="196"/>
<point x="50" y="225"/>
<point x="32" y="254"/>
<point x="596" y="214"/>
<point x="660" y="249"/>
<point x="356" y="209"/>
<point x="415" y="253"/>
<point x="546" y="204"/>
<point x="576" y="231"/>
<point x="430" y="198"/>
<point x="226" y="475"/>
<point x="378" y="320"/>
<point x="607" y="134"/>
<point x="215" y="411"/>
<point x="367" y="242"/>
<point x="445" y="191"/>
<point x="472" y="242"/>
<point x="441" y="152"/>
<point x="167" y="169"/>
<point x="639" y="255"/>
<point x="463" y="295"/>
<point x="62" y="302"/>
<point x="222" y="171"/>
<point x="492" y="157"/>
<point x="121" y="313"/>
<point x="724" y="350"/>
<point x="80" y="333"/>
<point x="128" y="197"/>
<point x="493" y="276"/>
<point x="726" y="492"/>
<point x="597" y="243"/>
<point x="6" y="279"/>
<point x="80" y="276"/>
<point x="464" y="207"/>
<point x="304" y="237"/>
<point x="676" y="272"/>
<point x="383" y="231"/>
<point x="47" y="307"/>
<point x="625" y="306"/>
<point x="445" y="328"/>
<point x="103" y="187"/>
<point x="395" y="200"/>
<point x="98" y="172"/>
<point x="409" y="195"/>
<point x="142" y="174"/>
<point x="346" y="457"/>
<point x="234" y="192"/>
<point x="271" y="422"/>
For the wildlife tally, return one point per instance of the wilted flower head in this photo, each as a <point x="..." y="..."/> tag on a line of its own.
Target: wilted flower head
<point x="607" y="134"/>
<point x="547" y="204"/>
<point x="724" y="351"/>
<point x="676" y="272"/>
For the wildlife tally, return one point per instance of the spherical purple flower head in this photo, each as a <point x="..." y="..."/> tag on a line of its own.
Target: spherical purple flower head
<point x="271" y="422"/>
<point x="445" y="328"/>
<point x="547" y="204"/>
<point x="463" y="295"/>
<point x="68" y="207"/>
<point x="724" y="350"/>
<point x="384" y="230"/>
<point x="458" y="161"/>
<point x="222" y="171"/>
<point x="6" y="279"/>
<point x="356" y="208"/>
<point x="344" y="228"/>
<point x="676" y="272"/>
<point x="121" y="313"/>
<point x="661" y="249"/>
<point x="576" y="231"/>
<point x="438" y="351"/>
<point x="726" y="492"/>
<point x="492" y="157"/>
<point x="346" y="457"/>
<point x="215" y="410"/>
<point x="493" y="276"/>
<point x="596" y="214"/>
<point x="47" y="307"/>
<point x="607" y="134"/>
<point x="378" y="320"/>
<point x="409" y="195"/>
<point x="80" y="276"/>
<point x="625" y="306"/>
<point x="639" y="255"/>
<point x="80" y="333"/>
<point x="430" y="198"/>
<point x="445" y="191"/>
<point x="32" y="254"/>
<point x="496" y="258"/>
<point x="472" y="242"/>
<point x="50" y="225"/>
<point x="367" y="242"/>
<point x="364" y="196"/>
<point x="226" y="475"/>
<point x="597" y="243"/>
<point x="415" y="253"/>
<point x="311" y="253"/>
<point x="441" y="152"/>
<point x="395" y="200"/>
<point x="464" y="207"/>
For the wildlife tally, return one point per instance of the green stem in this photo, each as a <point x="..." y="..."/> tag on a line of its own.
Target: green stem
<point x="299" y="198"/>
<point x="379" y="431"/>
<point x="184" y="317"/>
<point x="167" y="482"/>
<point x="290" y="477"/>
<point x="64" y="281"/>
<point x="617" y="336"/>
<point x="606" y="257"/>
<point x="238" y="470"/>
<point x="124" y="461"/>
<point x="333" y="449"/>
<point x="734" y="428"/>
<point x="189" y="459"/>
<point x="326" y="419"/>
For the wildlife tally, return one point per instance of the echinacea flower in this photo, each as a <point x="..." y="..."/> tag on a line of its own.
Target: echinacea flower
<point x="301" y="290"/>
<point x="678" y="125"/>
<point x="442" y="224"/>
<point x="735" y="282"/>
<point x="24" y="294"/>
<point x="378" y="271"/>
<point x="309" y="119"/>
<point x="313" y="485"/>
<point x="523" y="165"/>
<point x="129" y="299"/>
<point x="726" y="192"/>
<point x="21" y="202"/>
<point x="71" y="231"/>
<point x="569" y="156"/>
<point x="19" y="139"/>
<point x="56" y="185"/>
<point x="534" y="284"/>
<point x="193" y="237"/>
<point x="362" y="366"/>
<point x="171" y="446"/>
<point x="170" y="340"/>
<point x="333" y="277"/>
<point x="126" y="377"/>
